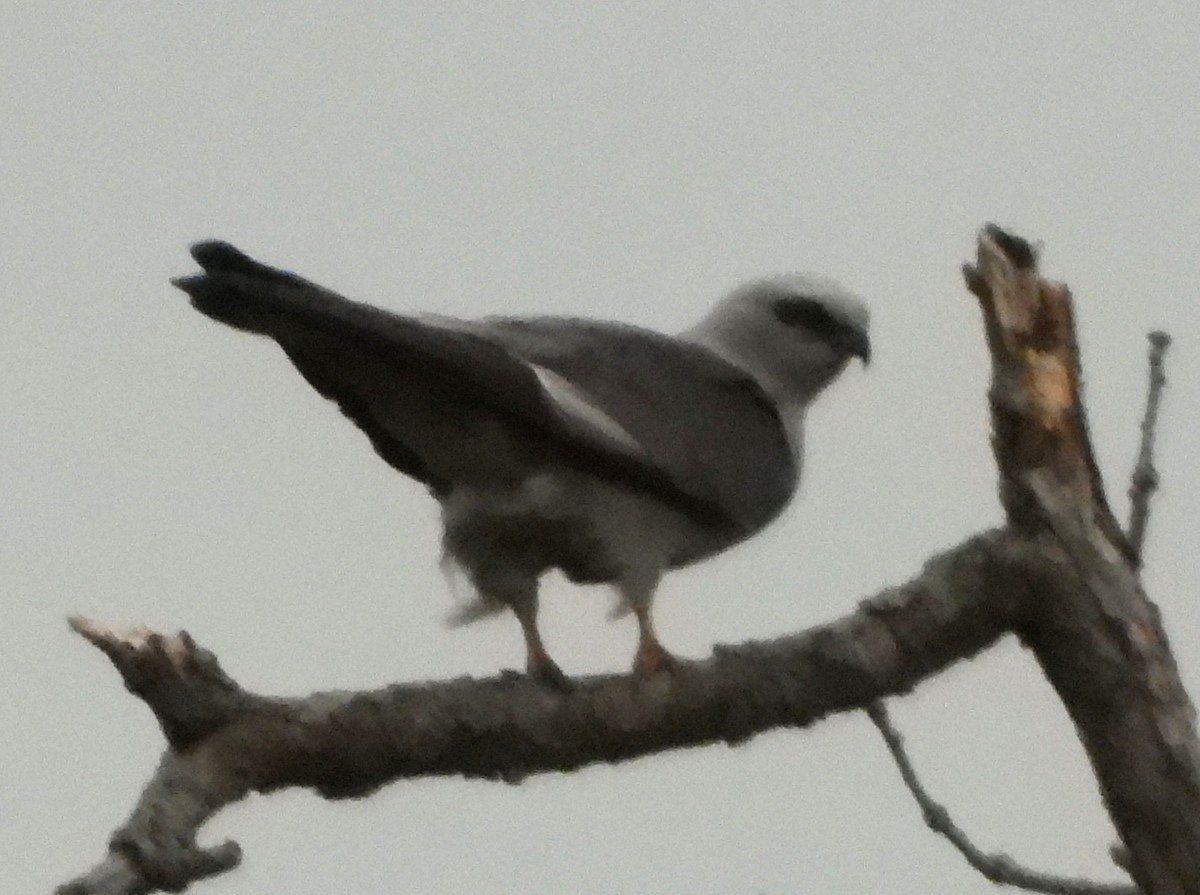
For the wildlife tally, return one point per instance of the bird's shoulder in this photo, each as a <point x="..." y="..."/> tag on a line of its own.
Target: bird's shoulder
<point x="701" y="419"/>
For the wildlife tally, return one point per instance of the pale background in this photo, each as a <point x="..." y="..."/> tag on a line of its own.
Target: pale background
<point x="628" y="160"/>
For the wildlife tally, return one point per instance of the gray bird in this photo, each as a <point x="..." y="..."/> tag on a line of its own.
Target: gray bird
<point x="609" y="452"/>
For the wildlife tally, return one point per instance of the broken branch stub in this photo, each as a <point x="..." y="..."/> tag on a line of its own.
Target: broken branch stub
<point x="1039" y="420"/>
<point x="1097" y="637"/>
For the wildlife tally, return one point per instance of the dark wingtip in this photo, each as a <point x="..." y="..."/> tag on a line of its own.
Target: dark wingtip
<point x="187" y="284"/>
<point x="214" y="254"/>
<point x="218" y="257"/>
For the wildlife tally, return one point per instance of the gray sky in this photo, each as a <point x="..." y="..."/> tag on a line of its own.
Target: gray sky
<point x="626" y="160"/>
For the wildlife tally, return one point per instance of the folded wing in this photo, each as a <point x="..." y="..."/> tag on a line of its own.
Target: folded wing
<point x="701" y="421"/>
<point x="449" y="401"/>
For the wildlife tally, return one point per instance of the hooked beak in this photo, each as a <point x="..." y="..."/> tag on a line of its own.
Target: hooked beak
<point x="858" y="344"/>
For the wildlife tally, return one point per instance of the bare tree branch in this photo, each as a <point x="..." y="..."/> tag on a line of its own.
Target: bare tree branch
<point x="997" y="868"/>
<point x="226" y="742"/>
<point x="1145" y="477"/>
<point x="1100" y="644"/>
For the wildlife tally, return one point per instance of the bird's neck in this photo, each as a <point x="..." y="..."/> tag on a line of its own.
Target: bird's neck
<point x="715" y="335"/>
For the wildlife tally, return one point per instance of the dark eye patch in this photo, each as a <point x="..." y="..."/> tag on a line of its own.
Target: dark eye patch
<point x="806" y="313"/>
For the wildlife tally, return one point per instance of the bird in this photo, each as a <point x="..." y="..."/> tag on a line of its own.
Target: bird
<point x="607" y="451"/>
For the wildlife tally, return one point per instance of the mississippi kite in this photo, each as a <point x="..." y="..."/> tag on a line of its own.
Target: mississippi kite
<point x="609" y="452"/>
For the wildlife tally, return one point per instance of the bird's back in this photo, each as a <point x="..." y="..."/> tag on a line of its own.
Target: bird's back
<point x="701" y="420"/>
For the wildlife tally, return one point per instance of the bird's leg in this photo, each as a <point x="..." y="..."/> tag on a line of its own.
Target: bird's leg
<point x="652" y="657"/>
<point x="538" y="664"/>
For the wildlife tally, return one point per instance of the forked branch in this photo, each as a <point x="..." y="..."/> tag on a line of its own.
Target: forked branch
<point x="1101" y="643"/>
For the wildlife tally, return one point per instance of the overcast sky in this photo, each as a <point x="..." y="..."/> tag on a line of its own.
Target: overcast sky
<point x="623" y="160"/>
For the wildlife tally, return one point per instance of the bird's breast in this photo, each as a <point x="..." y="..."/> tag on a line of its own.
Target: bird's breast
<point x="593" y="530"/>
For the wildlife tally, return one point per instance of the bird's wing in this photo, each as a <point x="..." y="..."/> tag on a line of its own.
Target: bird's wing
<point x="442" y="401"/>
<point x="702" y="421"/>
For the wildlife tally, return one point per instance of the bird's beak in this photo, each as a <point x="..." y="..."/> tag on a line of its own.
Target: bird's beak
<point x="859" y="345"/>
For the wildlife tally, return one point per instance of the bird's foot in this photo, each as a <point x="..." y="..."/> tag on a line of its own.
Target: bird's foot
<point x="541" y="668"/>
<point x="652" y="658"/>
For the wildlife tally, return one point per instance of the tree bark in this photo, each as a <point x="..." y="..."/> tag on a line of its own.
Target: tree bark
<point x="1099" y="642"/>
<point x="1061" y="576"/>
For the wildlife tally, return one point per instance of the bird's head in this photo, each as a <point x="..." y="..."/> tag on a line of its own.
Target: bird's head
<point x="793" y="333"/>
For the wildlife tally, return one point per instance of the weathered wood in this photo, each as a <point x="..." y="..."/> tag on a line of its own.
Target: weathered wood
<point x="1097" y="636"/>
<point x="226" y="742"/>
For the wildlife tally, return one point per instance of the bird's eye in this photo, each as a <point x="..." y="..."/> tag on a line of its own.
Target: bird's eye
<point x="804" y="312"/>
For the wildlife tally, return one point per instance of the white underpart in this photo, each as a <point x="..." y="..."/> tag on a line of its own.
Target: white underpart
<point x="637" y="532"/>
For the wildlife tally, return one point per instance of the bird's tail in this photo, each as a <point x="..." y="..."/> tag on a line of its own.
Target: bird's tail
<point x="470" y="603"/>
<point x="476" y="610"/>
<point x="320" y="330"/>
<point x="247" y="294"/>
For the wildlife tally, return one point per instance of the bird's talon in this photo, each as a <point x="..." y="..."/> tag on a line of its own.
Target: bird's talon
<point x="653" y="659"/>
<point x="546" y="672"/>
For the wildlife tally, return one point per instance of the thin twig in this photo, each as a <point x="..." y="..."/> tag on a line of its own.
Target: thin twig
<point x="1145" y="476"/>
<point x="997" y="868"/>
